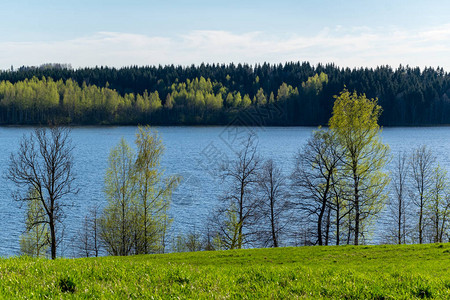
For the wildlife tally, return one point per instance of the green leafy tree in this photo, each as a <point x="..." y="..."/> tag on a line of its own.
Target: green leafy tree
<point x="246" y="101"/>
<point x="135" y="221"/>
<point x="439" y="206"/>
<point x="118" y="220"/>
<point x="154" y="191"/>
<point x="355" y="125"/>
<point x="314" y="84"/>
<point x="261" y="98"/>
<point x="36" y="239"/>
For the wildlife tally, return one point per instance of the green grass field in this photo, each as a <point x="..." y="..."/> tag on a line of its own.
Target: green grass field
<point x="346" y="272"/>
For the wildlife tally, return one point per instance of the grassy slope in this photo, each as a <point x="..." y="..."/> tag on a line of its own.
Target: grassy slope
<point x="364" y="272"/>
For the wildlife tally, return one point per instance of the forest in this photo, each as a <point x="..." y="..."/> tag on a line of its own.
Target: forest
<point x="216" y="94"/>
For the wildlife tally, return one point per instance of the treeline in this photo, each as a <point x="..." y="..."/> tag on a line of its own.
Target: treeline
<point x="409" y="96"/>
<point x="198" y="101"/>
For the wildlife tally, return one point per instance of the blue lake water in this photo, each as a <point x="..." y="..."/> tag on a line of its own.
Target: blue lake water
<point x="192" y="152"/>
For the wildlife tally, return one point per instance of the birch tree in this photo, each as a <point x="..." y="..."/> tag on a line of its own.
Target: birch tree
<point x="354" y="123"/>
<point x="154" y="191"/>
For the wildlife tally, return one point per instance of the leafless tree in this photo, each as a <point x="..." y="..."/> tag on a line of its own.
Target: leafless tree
<point x="341" y="209"/>
<point x="44" y="163"/>
<point x="422" y="165"/>
<point x="313" y="179"/>
<point x="399" y="203"/>
<point x="274" y="207"/>
<point x="236" y="217"/>
<point x="189" y="242"/>
<point x="88" y="236"/>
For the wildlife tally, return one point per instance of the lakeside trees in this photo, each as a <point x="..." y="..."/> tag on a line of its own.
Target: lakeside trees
<point x="339" y="173"/>
<point x="117" y="228"/>
<point x="337" y="187"/>
<point x="420" y="207"/>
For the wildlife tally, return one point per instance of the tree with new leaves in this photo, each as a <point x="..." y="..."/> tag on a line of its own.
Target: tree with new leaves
<point x="35" y="241"/>
<point x="226" y="227"/>
<point x="354" y="123"/>
<point x="135" y="221"/>
<point x="154" y="191"/>
<point x="118" y="220"/>
<point x="438" y="209"/>
<point x="44" y="165"/>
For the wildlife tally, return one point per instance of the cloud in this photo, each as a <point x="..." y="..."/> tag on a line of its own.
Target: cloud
<point x="352" y="47"/>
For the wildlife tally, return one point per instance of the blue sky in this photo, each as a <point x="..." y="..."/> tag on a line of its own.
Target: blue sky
<point x="121" y="33"/>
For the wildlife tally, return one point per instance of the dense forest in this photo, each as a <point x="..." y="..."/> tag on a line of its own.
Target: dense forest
<point x="299" y="93"/>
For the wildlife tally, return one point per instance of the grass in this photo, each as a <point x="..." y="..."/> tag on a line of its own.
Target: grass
<point x="345" y="272"/>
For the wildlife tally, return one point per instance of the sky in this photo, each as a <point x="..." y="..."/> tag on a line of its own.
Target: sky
<point x="353" y="33"/>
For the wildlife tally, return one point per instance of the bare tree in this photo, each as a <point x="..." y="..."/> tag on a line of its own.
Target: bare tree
<point x="399" y="205"/>
<point x="189" y="242"/>
<point x="235" y="218"/>
<point x="422" y="165"/>
<point x="314" y="178"/>
<point x="44" y="164"/>
<point x="273" y="204"/>
<point x="89" y="234"/>
<point x="341" y="207"/>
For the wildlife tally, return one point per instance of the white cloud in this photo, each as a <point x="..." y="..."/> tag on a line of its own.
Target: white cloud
<point x="361" y="46"/>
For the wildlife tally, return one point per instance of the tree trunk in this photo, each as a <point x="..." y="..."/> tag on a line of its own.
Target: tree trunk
<point x="272" y="220"/>
<point x="420" y="220"/>
<point x="327" y="232"/>
<point x="241" y="217"/>
<point x="399" y="233"/>
<point x="338" y="221"/>
<point x="53" y="237"/>
<point x="357" y="212"/>
<point x="319" y="227"/>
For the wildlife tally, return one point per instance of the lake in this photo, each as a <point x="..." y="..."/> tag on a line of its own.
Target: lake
<point x="192" y="152"/>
